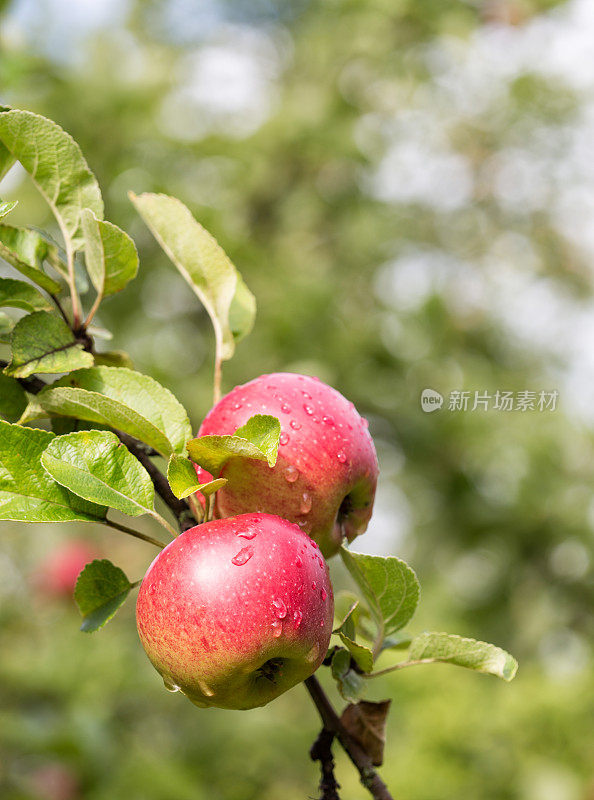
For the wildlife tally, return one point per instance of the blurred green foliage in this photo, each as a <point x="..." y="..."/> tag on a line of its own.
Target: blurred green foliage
<point x="404" y="187"/>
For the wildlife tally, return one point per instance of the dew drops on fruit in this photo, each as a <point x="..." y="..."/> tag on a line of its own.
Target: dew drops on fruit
<point x="284" y="438"/>
<point x="242" y="557"/>
<point x="280" y="609"/>
<point x="291" y="474"/>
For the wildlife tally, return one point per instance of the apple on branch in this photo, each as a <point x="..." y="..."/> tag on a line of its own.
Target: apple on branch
<point x="326" y="472"/>
<point x="236" y="611"/>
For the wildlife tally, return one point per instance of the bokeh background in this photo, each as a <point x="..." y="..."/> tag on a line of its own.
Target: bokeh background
<point x="408" y="188"/>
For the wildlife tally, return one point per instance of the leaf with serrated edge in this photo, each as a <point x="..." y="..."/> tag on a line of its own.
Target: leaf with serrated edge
<point x="213" y="452"/>
<point x="96" y="465"/>
<point x="346" y="630"/>
<point x="57" y="166"/>
<point x="18" y="294"/>
<point x="6" y="207"/>
<point x="110" y="255"/>
<point x="470" y="653"/>
<point x="42" y="342"/>
<point x="183" y="480"/>
<point x="203" y="263"/>
<point x="349" y="683"/>
<point x="100" y="590"/>
<point x="389" y="586"/>
<point x="123" y="399"/>
<point x="27" y="492"/>
<point x="24" y="250"/>
<point x="13" y="399"/>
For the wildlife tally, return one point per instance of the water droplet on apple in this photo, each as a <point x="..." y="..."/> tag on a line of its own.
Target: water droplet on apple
<point x="295" y="425"/>
<point x="323" y="594"/>
<point x="298" y="561"/>
<point x="291" y="474"/>
<point x="242" y="557"/>
<point x="306" y="395"/>
<point x="308" y="409"/>
<point x="285" y="408"/>
<point x="236" y="406"/>
<point x="280" y="608"/>
<point x="297" y="617"/>
<point x="247" y="534"/>
<point x="170" y="686"/>
<point x="321" y="623"/>
<point x="277" y="628"/>
<point x="328" y="420"/>
<point x="341" y="457"/>
<point x="314" y="585"/>
<point x="306" y="501"/>
<point x="284" y="438"/>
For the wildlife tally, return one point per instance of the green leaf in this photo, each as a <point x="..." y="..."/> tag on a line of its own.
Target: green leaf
<point x="100" y="590"/>
<point x="6" y="157"/>
<point x="203" y="264"/>
<point x="95" y="465"/>
<point x="6" y="206"/>
<point x="19" y="294"/>
<point x="6" y="328"/>
<point x="350" y="684"/>
<point x="399" y="641"/>
<point x="389" y="586"/>
<point x="346" y="630"/>
<point x="42" y="342"/>
<point x="27" y="492"/>
<point x="181" y="474"/>
<point x="110" y="255"/>
<point x="469" y="653"/>
<point x="123" y="399"/>
<point x="24" y="250"/>
<point x="242" y="313"/>
<point x="55" y="162"/>
<point x="13" y="399"/>
<point x="258" y="439"/>
<point x="113" y="358"/>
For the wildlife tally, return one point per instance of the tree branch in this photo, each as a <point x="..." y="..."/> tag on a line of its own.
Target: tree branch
<point x="321" y="751"/>
<point x="180" y="508"/>
<point x="369" y="777"/>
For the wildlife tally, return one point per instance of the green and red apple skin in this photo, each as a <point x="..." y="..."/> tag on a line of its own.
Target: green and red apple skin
<point x="235" y="612"/>
<point x="326" y="473"/>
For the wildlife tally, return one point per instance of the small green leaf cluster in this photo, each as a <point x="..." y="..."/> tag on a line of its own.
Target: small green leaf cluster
<point x="391" y="592"/>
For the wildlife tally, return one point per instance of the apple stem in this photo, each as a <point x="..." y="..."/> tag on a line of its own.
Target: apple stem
<point x="331" y="722"/>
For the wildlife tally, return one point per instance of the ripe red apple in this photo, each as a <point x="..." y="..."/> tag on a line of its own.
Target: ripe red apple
<point x="234" y="612"/>
<point x="326" y="473"/>
<point x="56" y="576"/>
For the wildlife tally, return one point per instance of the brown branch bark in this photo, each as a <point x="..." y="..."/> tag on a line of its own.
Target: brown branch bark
<point x="180" y="508"/>
<point x="369" y="777"/>
<point x="321" y="751"/>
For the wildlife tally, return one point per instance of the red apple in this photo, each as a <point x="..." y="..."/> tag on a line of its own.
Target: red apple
<point x="56" y="576"/>
<point x="234" y="612"/>
<point x="326" y="473"/>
